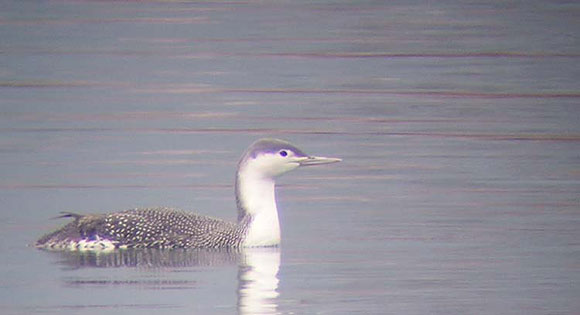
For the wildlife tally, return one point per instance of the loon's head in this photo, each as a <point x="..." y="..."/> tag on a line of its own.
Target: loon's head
<point x="270" y="158"/>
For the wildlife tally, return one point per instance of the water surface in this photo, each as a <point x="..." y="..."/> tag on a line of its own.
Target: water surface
<point x="457" y="122"/>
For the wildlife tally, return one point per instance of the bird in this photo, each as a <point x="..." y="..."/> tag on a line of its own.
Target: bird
<point x="165" y="228"/>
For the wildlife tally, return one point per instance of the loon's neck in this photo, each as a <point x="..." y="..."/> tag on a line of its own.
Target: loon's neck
<point x="256" y="199"/>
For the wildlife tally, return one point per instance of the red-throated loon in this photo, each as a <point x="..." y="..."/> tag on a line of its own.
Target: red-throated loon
<point x="257" y="225"/>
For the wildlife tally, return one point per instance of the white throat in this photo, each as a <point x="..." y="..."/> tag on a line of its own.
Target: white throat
<point x="257" y="197"/>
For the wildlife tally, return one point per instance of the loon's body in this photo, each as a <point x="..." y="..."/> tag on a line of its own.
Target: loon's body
<point x="257" y="224"/>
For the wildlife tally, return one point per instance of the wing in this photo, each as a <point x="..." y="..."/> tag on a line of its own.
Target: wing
<point x="142" y="228"/>
<point x="83" y="229"/>
<point x="165" y="228"/>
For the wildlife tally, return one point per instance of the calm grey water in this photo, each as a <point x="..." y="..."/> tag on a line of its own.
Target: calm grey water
<point x="458" y="123"/>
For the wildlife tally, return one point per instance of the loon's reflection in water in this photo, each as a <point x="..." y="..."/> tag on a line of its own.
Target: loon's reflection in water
<point x="152" y="258"/>
<point x="257" y="288"/>
<point x="258" y="281"/>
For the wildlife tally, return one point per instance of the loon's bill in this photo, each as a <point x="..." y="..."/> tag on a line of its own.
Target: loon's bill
<point x="317" y="160"/>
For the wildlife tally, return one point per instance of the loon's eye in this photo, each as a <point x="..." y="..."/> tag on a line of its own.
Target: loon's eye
<point x="283" y="153"/>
